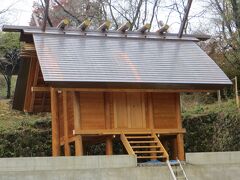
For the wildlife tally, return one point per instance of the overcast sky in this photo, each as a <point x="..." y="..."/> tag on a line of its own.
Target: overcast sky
<point x="21" y="10"/>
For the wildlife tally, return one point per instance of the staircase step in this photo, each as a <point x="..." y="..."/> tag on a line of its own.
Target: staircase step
<point x="138" y="152"/>
<point x="150" y="157"/>
<point x="139" y="137"/>
<point x="146" y="147"/>
<point x="143" y="142"/>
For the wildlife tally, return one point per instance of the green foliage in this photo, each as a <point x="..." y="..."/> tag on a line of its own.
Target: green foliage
<point x="209" y="128"/>
<point x="8" y="41"/>
<point x="27" y="141"/>
<point x="213" y="128"/>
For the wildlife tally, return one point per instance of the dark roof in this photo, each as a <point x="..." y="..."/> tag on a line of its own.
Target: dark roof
<point x="110" y="60"/>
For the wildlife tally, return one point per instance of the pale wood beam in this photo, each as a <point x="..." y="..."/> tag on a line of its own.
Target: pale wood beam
<point x="55" y="124"/>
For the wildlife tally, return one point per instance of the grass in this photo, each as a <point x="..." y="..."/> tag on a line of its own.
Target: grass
<point x="228" y="106"/>
<point x="11" y="119"/>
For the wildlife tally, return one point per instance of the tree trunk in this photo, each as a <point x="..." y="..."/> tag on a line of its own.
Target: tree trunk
<point x="9" y="83"/>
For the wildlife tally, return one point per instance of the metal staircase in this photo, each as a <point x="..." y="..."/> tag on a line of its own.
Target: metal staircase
<point x="144" y="146"/>
<point x="177" y="172"/>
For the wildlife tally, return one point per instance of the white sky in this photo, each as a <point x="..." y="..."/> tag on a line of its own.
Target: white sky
<point x="21" y="10"/>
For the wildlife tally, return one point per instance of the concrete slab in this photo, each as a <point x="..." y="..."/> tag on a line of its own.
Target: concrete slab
<point x="232" y="157"/>
<point x="66" y="163"/>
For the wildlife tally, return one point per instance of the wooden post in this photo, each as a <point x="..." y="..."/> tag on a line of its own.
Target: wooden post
<point x="236" y="91"/>
<point x="180" y="143"/>
<point x="107" y="107"/>
<point x="150" y="109"/>
<point x="55" y="124"/>
<point x="78" y="146"/>
<point x="180" y="147"/>
<point x="77" y="123"/>
<point x="109" y="145"/>
<point x="67" y="151"/>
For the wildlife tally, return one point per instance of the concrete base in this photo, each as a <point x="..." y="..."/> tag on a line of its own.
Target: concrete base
<point x="200" y="166"/>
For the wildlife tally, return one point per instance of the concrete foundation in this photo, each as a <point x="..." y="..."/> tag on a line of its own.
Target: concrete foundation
<point x="200" y="166"/>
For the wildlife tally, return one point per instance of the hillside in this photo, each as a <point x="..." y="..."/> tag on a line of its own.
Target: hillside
<point x="211" y="127"/>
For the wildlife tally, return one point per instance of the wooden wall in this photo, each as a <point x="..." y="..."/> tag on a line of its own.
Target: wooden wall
<point x="96" y="111"/>
<point x="165" y="106"/>
<point x="129" y="110"/>
<point x="121" y="110"/>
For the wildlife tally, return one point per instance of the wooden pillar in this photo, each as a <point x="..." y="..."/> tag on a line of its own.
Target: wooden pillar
<point x="67" y="151"/>
<point x="180" y="147"/>
<point x="78" y="146"/>
<point x="77" y="123"/>
<point x="55" y="124"/>
<point x="109" y="145"/>
<point x="150" y="109"/>
<point x="180" y="143"/>
<point x="151" y="121"/>
<point x="174" y="145"/>
<point x="107" y="104"/>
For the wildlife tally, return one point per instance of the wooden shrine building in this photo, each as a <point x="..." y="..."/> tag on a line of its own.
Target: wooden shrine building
<point x="100" y="85"/>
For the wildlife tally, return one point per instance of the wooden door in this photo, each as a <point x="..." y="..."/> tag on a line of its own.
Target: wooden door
<point x="129" y="110"/>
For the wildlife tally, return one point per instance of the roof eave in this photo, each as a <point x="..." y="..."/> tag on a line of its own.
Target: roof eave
<point x="164" y="87"/>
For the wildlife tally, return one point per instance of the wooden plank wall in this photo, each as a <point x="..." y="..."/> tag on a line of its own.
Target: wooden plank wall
<point x="165" y="113"/>
<point x="129" y="110"/>
<point x="99" y="110"/>
<point x="116" y="110"/>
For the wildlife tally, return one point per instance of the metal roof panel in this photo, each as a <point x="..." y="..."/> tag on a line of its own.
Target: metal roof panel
<point x="67" y="58"/>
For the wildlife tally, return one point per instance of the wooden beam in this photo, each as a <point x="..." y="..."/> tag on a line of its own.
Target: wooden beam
<point x="144" y="28"/>
<point x="178" y="110"/>
<point x="65" y="125"/>
<point x="78" y="145"/>
<point x="185" y="18"/>
<point x="63" y="24"/>
<point x="124" y="27"/>
<point x="30" y="81"/>
<point x="35" y="80"/>
<point x="55" y="124"/>
<point x="121" y="90"/>
<point x="109" y="145"/>
<point x="163" y="29"/>
<point x="84" y="25"/>
<point x="150" y="110"/>
<point x="180" y="147"/>
<point x="105" y="26"/>
<point x="127" y="145"/>
<point x="133" y="90"/>
<point x="70" y="140"/>
<point x="107" y="108"/>
<point x="40" y="89"/>
<point x="77" y="123"/>
<point x="128" y="131"/>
